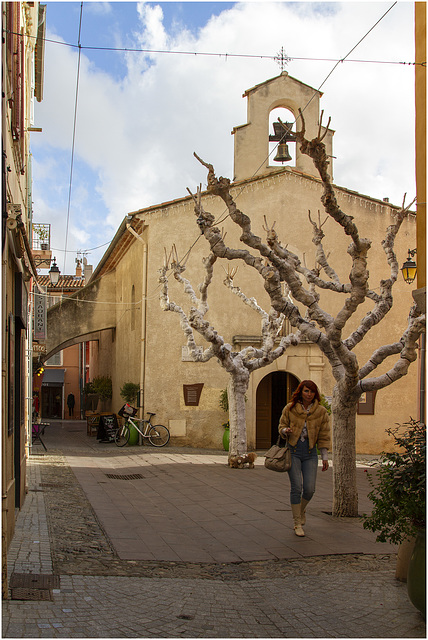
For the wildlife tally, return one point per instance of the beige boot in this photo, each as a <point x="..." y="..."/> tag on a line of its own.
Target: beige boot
<point x="295" y="509"/>
<point x="303" y="506"/>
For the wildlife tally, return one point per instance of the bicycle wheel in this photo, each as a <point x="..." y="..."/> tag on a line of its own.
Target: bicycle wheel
<point x="122" y="436"/>
<point x="158" y="435"/>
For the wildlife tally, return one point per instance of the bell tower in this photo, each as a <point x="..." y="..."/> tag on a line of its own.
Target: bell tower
<point x="251" y="153"/>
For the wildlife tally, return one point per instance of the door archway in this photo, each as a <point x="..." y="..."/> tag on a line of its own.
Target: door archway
<point x="273" y="393"/>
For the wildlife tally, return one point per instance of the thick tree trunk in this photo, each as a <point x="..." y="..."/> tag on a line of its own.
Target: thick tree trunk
<point x="237" y="388"/>
<point x="345" y="492"/>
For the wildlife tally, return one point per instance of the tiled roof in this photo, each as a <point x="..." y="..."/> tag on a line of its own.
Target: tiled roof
<point x="68" y="283"/>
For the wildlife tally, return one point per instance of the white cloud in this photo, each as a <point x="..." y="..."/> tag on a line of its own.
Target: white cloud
<point x="100" y="8"/>
<point x="137" y="135"/>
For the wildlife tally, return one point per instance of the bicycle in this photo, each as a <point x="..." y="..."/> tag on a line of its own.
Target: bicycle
<point x="157" y="434"/>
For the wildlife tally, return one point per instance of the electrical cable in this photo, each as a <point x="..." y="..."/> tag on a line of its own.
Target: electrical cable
<point x="81" y="47"/>
<point x="225" y="213"/>
<point x="61" y="298"/>
<point x="337" y="62"/>
<point x="83" y="251"/>
<point x="74" y="134"/>
<point x="216" y="55"/>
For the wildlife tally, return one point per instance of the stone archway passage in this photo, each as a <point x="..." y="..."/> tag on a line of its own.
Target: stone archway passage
<point x="273" y="393"/>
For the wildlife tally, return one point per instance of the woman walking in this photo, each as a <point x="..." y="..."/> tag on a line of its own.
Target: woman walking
<point x="306" y="423"/>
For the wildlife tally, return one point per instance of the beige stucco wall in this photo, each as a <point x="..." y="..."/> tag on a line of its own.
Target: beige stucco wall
<point x="284" y="197"/>
<point x="251" y="148"/>
<point x="17" y="190"/>
<point x="146" y="346"/>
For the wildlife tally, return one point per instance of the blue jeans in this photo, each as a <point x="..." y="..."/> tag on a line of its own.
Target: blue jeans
<point x="303" y="472"/>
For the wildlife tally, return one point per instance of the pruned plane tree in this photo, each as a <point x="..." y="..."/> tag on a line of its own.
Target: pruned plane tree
<point x="293" y="287"/>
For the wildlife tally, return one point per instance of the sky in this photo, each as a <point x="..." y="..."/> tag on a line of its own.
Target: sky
<point x="140" y="116"/>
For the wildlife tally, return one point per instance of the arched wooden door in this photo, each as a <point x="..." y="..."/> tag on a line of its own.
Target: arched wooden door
<point x="273" y="393"/>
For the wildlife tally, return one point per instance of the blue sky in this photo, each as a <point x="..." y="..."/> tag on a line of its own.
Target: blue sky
<point x="107" y="24"/>
<point x="141" y="116"/>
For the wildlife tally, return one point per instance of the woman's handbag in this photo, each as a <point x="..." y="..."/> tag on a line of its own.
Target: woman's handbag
<point x="278" y="458"/>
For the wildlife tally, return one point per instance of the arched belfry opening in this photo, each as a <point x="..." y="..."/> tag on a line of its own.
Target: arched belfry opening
<point x="274" y="391"/>
<point x="286" y="95"/>
<point x="282" y="143"/>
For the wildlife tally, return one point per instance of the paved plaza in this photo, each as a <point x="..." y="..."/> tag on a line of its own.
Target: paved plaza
<point x="168" y="543"/>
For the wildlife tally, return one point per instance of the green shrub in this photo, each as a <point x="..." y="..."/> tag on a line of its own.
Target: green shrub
<point x="88" y="388"/>
<point x="103" y="386"/>
<point x="325" y="403"/>
<point x="224" y="401"/>
<point x="129" y="391"/>
<point x="398" y="493"/>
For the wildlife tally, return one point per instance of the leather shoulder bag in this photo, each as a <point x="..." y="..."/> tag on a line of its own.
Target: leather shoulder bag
<point x="278" y="458"/>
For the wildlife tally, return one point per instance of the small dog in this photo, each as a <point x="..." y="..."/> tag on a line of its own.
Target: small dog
<point x="239" y="462"/>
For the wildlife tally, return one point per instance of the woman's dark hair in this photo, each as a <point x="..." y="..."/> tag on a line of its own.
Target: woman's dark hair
<point x="297" y="395"/>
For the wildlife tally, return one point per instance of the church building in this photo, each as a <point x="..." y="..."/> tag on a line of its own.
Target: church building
<point x="134" y="340"/>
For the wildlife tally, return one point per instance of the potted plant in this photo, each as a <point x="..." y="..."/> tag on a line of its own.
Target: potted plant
<point x="224" y="404"/>
<point x="398" y="496"/>
<point x="91" y="398"/>
<point x="129" y="392"/>
<point x="43" y="233"/>
<point x="102" y="386"/>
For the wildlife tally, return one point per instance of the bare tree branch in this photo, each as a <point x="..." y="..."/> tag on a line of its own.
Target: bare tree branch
<point x="408" y="354"/>
<point x="384" y="301"/>
<point x="291" y="285"/>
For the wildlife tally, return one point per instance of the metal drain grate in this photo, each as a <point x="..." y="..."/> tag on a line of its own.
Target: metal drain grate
<point x="32" y="586"/>
<point x="34" y="581"/>
<point x="131" y="476"/>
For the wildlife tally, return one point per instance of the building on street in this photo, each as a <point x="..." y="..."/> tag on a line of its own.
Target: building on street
<point x="23" y="28"/>
<point x="134" y="341"/>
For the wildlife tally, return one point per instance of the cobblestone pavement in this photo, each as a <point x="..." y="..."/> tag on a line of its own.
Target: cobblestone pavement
<point x="101" y="595"/>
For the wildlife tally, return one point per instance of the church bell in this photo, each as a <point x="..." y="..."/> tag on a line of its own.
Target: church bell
<point x="283" y="155"/>
<point x="282" y="135"/>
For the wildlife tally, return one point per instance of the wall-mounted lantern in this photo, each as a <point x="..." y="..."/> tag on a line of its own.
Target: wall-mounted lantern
<point x="54" y="273"/>
<point x="409" y="268"/>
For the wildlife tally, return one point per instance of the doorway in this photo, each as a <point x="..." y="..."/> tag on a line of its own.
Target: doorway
<point x="273" y="393"/>
<point x="52" y="402"/>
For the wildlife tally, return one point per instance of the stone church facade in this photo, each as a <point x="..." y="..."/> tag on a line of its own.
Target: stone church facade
<point x="143" y="344"/>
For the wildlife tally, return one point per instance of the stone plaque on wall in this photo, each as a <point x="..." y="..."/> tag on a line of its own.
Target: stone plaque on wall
<point x="186" y="356"/>
<point x="192" y="393"/>
<point x="366" y="404"/>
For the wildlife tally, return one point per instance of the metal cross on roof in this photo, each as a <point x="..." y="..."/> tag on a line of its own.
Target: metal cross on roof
<point x="282" y="59"/>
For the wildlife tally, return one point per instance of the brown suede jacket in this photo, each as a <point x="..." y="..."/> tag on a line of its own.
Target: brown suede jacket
<point x="317" y="424"/>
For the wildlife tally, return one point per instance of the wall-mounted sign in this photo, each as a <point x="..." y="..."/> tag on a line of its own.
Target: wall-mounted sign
<point x="366" y="403"/>
<point x="192" y="394"/>
<point x="186" y="355"/>
<point x="39" y="348"/>
<point x="40" y="319"/>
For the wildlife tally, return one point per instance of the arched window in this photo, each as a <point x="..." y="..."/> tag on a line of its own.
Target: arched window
<point x="286" y="116"/>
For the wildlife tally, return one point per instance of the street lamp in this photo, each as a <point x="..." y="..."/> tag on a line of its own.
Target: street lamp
<point x="409" y="268"/>
<point x="54" y="273"/>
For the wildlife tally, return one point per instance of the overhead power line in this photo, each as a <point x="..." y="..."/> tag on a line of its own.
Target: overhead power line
<point x="279" y="57"/>
<point x="225" y="214"/>
<point x="82" y="250"/>
<point x="74" y="137"/>
<point x="212" y="54"/>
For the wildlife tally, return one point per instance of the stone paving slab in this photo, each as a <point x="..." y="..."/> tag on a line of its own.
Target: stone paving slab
<point x="296" y="592"/>
<point x="198" y="511"/>
<point x="312" y="606"/>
